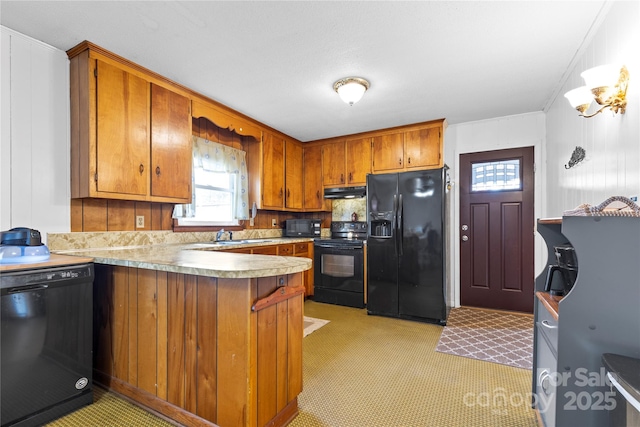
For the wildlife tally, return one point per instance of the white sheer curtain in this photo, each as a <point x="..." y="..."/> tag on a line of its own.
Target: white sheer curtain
<point x="214" y="157"/>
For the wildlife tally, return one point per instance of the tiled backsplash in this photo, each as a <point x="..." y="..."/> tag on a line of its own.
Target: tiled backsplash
<point x="110" y="239"/>
<point x="343" y="208"/>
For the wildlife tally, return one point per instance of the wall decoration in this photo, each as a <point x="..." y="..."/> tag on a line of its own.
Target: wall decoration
<point x="576" y="157"/>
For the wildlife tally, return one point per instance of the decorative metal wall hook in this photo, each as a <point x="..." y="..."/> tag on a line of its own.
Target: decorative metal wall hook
<point x="576" y="157"/>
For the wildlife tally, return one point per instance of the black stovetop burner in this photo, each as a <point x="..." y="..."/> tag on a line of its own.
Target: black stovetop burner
<point x="346" y="233"/>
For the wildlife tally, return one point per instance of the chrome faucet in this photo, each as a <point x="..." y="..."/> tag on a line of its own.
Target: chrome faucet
<point x="219" y="234"/>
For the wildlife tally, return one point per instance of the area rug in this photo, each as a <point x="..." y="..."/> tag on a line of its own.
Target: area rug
<point x="312" y="324"/>
<point x="491" y="336"/>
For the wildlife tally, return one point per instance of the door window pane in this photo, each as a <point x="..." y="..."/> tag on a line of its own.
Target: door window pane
<point x="496" y="176"/>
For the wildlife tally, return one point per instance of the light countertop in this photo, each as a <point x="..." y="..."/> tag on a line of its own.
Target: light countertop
<point x="201" y="259"/>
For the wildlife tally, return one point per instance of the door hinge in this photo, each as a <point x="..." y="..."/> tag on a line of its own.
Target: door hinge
<point x="95" y="72"/>
<point x="95" y="177"/>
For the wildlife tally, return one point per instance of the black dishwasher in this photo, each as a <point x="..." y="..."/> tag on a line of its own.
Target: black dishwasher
<point x="46" y="337"/>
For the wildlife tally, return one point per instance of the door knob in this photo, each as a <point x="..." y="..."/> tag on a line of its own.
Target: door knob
<point x="465" y="227"/>
<point x="465" y="238"/>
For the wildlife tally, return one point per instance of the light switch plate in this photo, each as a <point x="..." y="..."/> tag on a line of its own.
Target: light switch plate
<point x="139" y="221"/>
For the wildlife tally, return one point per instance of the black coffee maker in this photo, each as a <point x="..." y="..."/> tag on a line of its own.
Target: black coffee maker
<point x="562" y="276"/>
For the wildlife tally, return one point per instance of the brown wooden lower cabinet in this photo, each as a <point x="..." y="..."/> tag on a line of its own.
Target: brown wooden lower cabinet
<point x="192" y="348"/>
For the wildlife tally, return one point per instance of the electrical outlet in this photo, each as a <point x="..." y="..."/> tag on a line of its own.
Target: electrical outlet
<point x="139" y="221"/>
<point x="273" y="222"/>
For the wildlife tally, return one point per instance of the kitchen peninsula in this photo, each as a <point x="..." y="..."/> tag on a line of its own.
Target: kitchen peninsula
<point x="200" y="335"/>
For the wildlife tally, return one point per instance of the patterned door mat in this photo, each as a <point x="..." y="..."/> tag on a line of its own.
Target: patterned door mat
<point x="312" y="324"/>
<point x="491" y="336"/>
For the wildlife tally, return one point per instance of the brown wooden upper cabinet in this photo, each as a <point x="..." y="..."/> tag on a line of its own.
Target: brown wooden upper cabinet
<point x="130" y="138"/>
<point x="312" y="172"/>
<point x="293" y="179"/>
<point x="414" y="148"/>
<point x="333" y="163"/>
<point x="358" y="160"/>
<point x="281" y="173"/>
<point x="346" y="162"/>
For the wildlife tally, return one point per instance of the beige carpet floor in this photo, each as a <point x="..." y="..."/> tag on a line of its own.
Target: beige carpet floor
<point x="492" y="336"/>
<point x="362" y="370"/>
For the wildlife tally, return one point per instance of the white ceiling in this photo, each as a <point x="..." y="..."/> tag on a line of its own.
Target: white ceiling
<point x="277" y="61"/>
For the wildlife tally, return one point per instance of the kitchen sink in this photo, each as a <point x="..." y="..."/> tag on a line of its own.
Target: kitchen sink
<point x="238" y="242"/>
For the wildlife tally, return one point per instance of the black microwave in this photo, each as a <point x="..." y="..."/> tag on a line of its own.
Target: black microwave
<point x="302" y="227"/>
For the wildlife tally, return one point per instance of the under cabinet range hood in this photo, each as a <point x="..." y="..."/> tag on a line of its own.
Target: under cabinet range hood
<point x="345" y="192"/>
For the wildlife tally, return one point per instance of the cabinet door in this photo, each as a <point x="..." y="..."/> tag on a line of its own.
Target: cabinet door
<point x="293" y="181"/>
<point x="333" y="162"/>
<point x="358" y="160"/>
<point x="422" y="148"/>
<point x="273" y="172"/>
<point x="122" y="152"/>
<point x="171" y="158"/>
<point x="388" y="152"/>
<point x="313" y="192"/>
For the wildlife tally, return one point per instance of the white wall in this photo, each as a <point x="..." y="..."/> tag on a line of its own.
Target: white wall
<point x="34" y="145"/>
<point x="524" y="130"/>
<point x="612" y="143"/>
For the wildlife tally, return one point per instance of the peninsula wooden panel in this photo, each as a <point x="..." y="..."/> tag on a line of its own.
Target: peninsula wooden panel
<point x="191" y="342"/>
<point x="163" y="334"/>
<point x="267" y="367"/>
<point x="174" y="341"/>
<point x="206" y="349"/>
<point x="294" y="350"/>
<point x="282" y="348"/>
<point x="233" y="358"/>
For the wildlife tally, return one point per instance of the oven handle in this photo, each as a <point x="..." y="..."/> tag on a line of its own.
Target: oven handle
<point x="339" y="248"/>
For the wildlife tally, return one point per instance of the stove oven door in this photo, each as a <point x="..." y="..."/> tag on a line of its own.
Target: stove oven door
<point x="339" y="274"/>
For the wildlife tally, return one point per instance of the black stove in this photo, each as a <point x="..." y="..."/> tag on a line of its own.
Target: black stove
<point x="339" y="265"/>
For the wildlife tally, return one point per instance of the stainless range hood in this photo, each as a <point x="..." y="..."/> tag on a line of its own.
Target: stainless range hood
<point x="345" y="192"/>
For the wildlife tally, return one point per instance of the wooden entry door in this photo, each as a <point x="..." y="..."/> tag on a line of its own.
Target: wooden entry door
<point x="496" y="229"/>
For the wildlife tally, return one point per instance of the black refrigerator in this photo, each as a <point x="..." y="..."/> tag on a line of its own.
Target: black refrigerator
<point x="406" y="245"/>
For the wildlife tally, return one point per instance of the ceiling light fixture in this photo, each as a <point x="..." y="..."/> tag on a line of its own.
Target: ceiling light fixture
<point x="607" y="84"/>
<point x="351" y="89"/>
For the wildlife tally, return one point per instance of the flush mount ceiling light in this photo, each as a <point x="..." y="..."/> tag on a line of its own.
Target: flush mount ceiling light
<point x="607" y="84"/>
<point x="351" y="89"/>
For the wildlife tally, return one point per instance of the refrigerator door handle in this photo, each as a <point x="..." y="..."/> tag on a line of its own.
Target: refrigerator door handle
<point x="400" y="233"/>
<point x="394" y="226"/>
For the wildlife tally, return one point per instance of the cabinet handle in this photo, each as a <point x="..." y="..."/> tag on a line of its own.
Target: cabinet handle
<point x="288" y="193"/>
<point x="341" y="178"/>
<point x="141" y="168"/>
<point x="546" y="324"/>
<point x="350" y="177"/>
<point x="318" y="194"/>
<point x="409" y="160"/>
<point x="158" y="170"/>
<point x="400" y="161"/>
<point x="281" y="192"/>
